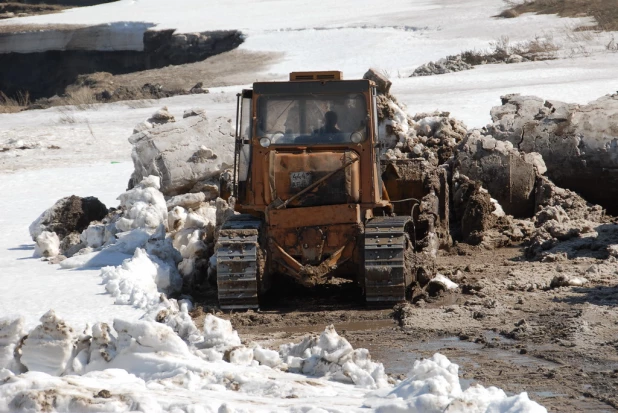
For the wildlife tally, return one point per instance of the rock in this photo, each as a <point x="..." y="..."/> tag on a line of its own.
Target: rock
<point x="198" y="88"/>
<point x="381" y="81"/>
<point x="549" y="195"/>
<point x="193" y="112"/>
<point x="161" y="117"/>
<point x="165" y="151"/>
<point x="187" y="201"/>
<point x="142" y="126"/>
<point x="612" y="250"/>
<point x="536" y="159"/>
<point x="566" y="281"/>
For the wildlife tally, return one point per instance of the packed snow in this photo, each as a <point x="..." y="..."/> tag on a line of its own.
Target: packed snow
<point x="170" y="365"/>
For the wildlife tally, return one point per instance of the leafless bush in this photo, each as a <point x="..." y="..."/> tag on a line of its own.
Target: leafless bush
<point x="67" y="118"/>
<point x="502" y="50"/>
<point x="575" y="34"/>
<point x="15" y="104"/>
<point x="539" y="48"/>
<point x="612" y="46"/>
<point x="579" y="50"/>
<point x="82" y="98"/>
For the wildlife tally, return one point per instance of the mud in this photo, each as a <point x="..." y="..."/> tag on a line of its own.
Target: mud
<point x="504" y="326"/>
<point x="73" y="214"/>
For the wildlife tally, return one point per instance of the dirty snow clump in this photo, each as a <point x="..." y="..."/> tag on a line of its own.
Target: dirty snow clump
<point x="47" y="245"/>
<point x="333" y="357"/>
<point x="433" y="386"/>
<point x="49" y="346"/>
<point x="145" y="206"/>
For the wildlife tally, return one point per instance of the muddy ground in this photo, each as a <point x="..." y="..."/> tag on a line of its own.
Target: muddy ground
<point x="505" y="326"/>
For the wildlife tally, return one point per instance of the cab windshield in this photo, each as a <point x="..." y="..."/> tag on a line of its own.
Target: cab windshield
<point x="312" y="119"/>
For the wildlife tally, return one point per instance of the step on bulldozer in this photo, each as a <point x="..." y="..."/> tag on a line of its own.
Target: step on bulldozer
<point x="316" y="199"/>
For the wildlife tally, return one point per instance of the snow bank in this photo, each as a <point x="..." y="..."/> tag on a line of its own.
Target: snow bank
<point x="139" y="259"/>
<point x="433" y="386"/>
<point x="171" y="366"/>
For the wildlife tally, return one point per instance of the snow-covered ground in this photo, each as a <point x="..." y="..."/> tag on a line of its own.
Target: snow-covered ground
<point x="30" y="286"/>
<point x="151" y="369"/>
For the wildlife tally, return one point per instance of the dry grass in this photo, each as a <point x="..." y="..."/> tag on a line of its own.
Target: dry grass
<point x="612" y="46"/>
<point x="82" y="98"/>
<point x="15" y="104"/>
<point x="67" y="119"/>
<point x="539" y="48"/>
<point x="605" y="12"/>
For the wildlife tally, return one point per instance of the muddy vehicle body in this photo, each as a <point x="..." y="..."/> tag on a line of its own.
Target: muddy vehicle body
<point x="308" y="183"/>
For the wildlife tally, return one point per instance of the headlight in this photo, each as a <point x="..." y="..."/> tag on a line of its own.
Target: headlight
<point x="357" y="137"/>
<point x="265" y="142"/>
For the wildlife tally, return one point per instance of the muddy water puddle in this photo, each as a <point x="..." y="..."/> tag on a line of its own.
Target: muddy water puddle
<point x="318" y="328"/>
<point x="399" y="359"/>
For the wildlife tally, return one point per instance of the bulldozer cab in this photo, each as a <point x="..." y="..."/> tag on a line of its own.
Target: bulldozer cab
<point x="291" y="135"/>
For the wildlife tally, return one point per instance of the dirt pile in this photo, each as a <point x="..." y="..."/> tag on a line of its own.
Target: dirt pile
<point x="429" y="136"/>
<point x="478" y="219"/>
<point x="507" y="174"/>
<point x="567" y="226"/>
<point x="67" y="218"/>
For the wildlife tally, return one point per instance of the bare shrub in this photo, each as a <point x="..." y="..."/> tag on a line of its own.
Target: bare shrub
<point x="474" y="57"/>
<point x="539" y="48"/>
<point x="14" y="104"/>
<point x="612" y="46"/>
<point x="67" y="119"/>
<point x="82" y="98"/>
<point x="502" y="50"/>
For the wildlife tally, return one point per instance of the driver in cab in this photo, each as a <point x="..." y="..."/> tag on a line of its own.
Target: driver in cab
<point x="330" y="124"/>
